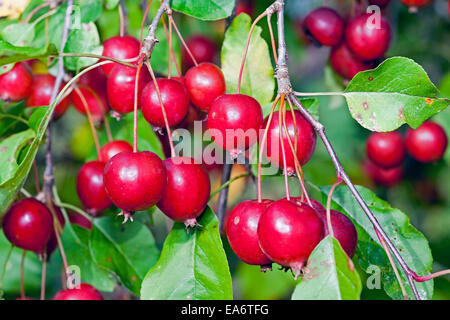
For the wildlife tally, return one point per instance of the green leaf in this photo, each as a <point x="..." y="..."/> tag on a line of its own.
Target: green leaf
<point x="18" y="34"/>
<point x="192" y="266"/>
<point x="128" y="250"/>
<point x="111" y="4"/>
<point x="78" y="253"/>
<point x="84" y="40"/>
<point x="412" y="245"/>
<point x="90" y="10"/>
<point x="204" y="9"/>
<point x="331" y="275"/>
<point x="398" y="91"/>
<point x="36" y="117"/>
<point x="10" y="53"/>
<point x="257" y="77"/>
<point x="9" y="152"/>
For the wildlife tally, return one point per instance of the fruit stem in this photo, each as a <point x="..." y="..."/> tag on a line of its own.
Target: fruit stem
<point x="136" y="97"/>
<point x="394" y="267"/>
<point x="107" y="128"/>
<point x="171" y="21"/>
<point x="262" y="145"/>
<point x="150" y="40"/>
<point x="309" y="94"/>
<point x="125" y="62"/>
<point x="247" y="44"/>
<point x="33" y="12"/>
<point x="122" y="18"/>
<point x="298" y="167"/>
<point x="43" y="276"/>
<point x="272" y="39"/>
<point x="76" y="209"/>
<point x="89" y="116"/>
<point x="286" y="176"/>
<point x="166" y="122"/>
<point x="223" y="196"/>
<point x="174" y="58"/>
<point x="22" y="268"/>
<point x="226" y="184"/>
<point x="430" y="276"/>
<point x="170" y="51"/>
<point x="328" y="208"/>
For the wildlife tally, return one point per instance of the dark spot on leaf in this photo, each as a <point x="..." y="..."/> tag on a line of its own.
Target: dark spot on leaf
<point x="108" y="259"/>
<point x="429" y="101"/>
<point x="370" y="78"/>
<point x="4" y="149"/>
<point x="365" y="106"/>
<point x="133" y="278"/>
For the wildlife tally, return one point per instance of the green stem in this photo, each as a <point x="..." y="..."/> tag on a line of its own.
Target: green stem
<point x="76" y="209"/>
<point x="309" y="94"/>
<point x="226" y="184"/>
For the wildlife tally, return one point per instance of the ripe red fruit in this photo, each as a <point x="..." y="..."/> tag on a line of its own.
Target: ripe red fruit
<point x="381" y="176"/>
<point x="343" y="228"/>
<point x="135" y="180"/>
<point x="121" y="85"/>
<point x="235" y="121"/>
<point x="306" y="140"/>
<point x="427" y="143"/>
<point x="288" y="232"/>
<point x="41" y="93"/>
<point x="204" y="84"/>
<point x="175" y="100"/>
<point x="80" y="220"/>
<point x="367" y="40"/>
<point x="91" y="188"/>
<point x="94" y="79"/>
<point x="119" y="47"/>
<point x="187" y="190"/>
<point x="386" y="149"/>
<point x="202" y="48"/>
<point x="112" y="148"/>
<point x="242" y="231"/>
<point x="28" y="224"/>
<point x="244" y="6"/>
<point x="345" y="63"/>
<point x="85" y="292"/>
<point x="16" y="84"/>
<point x="325" y="25"/>
<point x="96" y="101"/>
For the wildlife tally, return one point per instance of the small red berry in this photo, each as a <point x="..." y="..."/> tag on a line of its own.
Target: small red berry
<point x="175" y="100"/>
<point x="85" y="292"/>
<point x="242" y="231"/>
<point x="28" y="224"/>
<point x="119" y="47"/>
<point x="135" y="180"/>
<point x="96" y="102"/>
<point x="121" y="85"/>
<point x="288" y="232"/>
<point x="202" y="48"/>
<point x="367" y="40"/>
<point x="306" y="140"/>
<point x="345" y="63"/>
<point x="16" y="84"/>
<point x="244" y="6"/>
<point x="381" y="176"/>
<point x="415" y="4"/>
<point x="427" y="143"/>
<point x="204" y="84"/>
<point x="91" y="189"/>
<point x="235" y="121"/>
<point x="112" y="148"/>
<point x="380" y="3"/>
<point x="386" y="149"/>
<point x="41" y="94"/>
<point x="325" y="25"/>
<point x="187" y="191"/>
